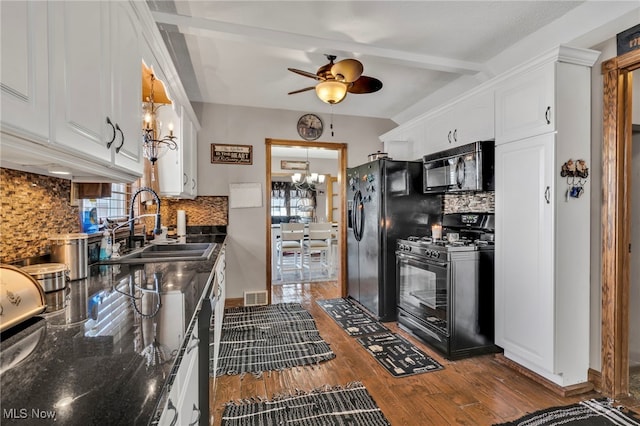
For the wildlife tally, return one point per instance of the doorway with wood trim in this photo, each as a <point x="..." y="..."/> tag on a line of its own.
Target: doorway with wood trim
<point x="617" y="222"/>
<point x="329" y="206"/>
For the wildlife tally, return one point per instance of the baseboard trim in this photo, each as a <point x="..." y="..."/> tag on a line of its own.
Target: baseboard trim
<point x="595" y="377"/>
<point x="565" y="391"/>
<point x="235" y="302"/>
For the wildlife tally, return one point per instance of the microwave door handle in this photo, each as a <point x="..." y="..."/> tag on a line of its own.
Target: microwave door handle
<point x="460" y="173"/>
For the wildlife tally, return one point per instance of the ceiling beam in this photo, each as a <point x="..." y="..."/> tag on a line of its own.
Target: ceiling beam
<point x="244" y="33"/>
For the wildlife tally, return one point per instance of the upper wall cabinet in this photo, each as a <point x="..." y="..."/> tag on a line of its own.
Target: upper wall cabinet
<point x="466" y="120"/>
<point x="535" y="100"/>
<point x="176" y="169"/>
<point x="24" y="70"/>
<point x="525" y="105"/>
<point x="125" y="100"/>
<point x="96" y="87"/>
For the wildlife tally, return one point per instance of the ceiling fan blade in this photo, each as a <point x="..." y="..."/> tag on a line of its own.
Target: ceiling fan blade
<point x="305" y="73"/>
<point x="365" y="85"/>
<point x="301" y="90"/>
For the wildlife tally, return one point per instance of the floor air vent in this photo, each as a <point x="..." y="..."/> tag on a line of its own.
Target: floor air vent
<point x="255" y="298"/>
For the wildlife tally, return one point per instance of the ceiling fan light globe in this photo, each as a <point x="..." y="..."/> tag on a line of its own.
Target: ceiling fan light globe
<point x="331" y="91"/>
<point x="347" y="70"/>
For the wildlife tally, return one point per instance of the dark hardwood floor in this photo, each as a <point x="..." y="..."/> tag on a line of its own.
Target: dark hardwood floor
<point x="476" y="391"/>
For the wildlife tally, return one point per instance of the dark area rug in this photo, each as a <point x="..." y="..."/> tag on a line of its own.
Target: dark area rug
<point x="266" y="338"/>
<point x="348" y="405"/>
<point x="594" y="412"/>
<point x="352" y="319"/>
<point x="397" y="355"/>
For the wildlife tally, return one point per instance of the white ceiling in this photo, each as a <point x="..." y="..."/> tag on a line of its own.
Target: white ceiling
<point x="238" y="52"/>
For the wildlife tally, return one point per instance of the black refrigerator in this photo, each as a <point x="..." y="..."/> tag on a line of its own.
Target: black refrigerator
<point x="384" y="203"/>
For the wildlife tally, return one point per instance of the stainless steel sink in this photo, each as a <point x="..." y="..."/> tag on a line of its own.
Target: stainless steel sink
<point x="166" y="253"/>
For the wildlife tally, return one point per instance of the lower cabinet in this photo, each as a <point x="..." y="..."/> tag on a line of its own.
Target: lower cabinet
<point x="219" y="292"/>
<point x="183" y="402"/>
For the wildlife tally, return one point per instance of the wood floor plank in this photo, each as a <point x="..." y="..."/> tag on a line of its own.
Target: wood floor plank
<point x="475" y="391"/>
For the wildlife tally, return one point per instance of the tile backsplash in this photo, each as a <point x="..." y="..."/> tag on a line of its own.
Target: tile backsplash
<point x="469" y="202"/>
<point x="33" y="207"/>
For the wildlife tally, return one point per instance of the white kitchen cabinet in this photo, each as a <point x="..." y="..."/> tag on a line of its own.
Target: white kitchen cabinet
<point x="468" y="120"/>
<point x="538" y="99"/>
<point x="24" y="72"/>
<point x="95" y="80"/>
<point x="524" y="249"/>
<point x="127" y="87"/>
<point x="190" y="156"/>
<point x="79" y="78"/>
<point x="474" y="118"/>
<point x="440" y="130"/>
<point x="525" y="104"/>
<point x="542" y="235"/>
<point x="181" y="407"/>
<point x="176" y="168"/>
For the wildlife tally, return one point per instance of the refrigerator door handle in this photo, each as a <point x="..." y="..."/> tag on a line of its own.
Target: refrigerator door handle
<point x="359" y="208"/>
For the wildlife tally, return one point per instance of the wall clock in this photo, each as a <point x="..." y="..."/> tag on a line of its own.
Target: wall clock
<point x="310" y="127"/>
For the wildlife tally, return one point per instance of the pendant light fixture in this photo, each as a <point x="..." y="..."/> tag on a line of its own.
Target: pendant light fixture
<point x="154" y="144"/>
<point x="308" y="180"/>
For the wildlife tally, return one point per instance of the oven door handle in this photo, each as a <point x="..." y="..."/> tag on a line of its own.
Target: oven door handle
<point x="420" y="259"/>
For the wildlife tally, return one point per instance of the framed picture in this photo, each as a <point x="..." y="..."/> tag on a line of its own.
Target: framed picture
<point x="293" y="165"/>
<point x="231" y="154"/>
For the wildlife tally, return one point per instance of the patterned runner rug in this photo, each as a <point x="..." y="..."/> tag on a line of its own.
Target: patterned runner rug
<point x="351" y="318"/>
<point x="397" y="355"/>
<point x="594" y="412"/>
<point x="265" y="338"/>
<point x="349" y="405"/>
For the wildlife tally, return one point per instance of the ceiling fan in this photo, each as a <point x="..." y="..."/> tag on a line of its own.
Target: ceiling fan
<point x="336" y="79"/>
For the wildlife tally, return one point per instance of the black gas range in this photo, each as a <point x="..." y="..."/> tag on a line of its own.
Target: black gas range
<point x="446" y="285"/>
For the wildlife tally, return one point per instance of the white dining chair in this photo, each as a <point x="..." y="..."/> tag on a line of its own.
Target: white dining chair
<point x="317" y="248"/>
<point x="291" y="243"/>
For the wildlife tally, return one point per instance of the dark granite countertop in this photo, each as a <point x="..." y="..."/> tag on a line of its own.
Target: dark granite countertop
<point x="105" y="355"/>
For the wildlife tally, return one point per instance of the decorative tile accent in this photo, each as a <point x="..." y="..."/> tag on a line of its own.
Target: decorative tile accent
<point x="470" y="202"/>
<point x="33" y="207"/>
<point x="203" y="210"/>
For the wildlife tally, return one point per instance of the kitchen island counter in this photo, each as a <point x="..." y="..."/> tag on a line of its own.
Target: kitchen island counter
<point x="109" y="355"/>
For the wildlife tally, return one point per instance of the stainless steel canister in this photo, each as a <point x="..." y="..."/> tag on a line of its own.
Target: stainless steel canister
<point x="51" y="276"/>
<point x="71" y="249"/>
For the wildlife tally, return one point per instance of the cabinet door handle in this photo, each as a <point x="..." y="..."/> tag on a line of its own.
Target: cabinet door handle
<point x="194" y="184"/>
<point x="170" y="406"/>
<point x="121" y="137"/>
<point x="113" y="138"/>
<point x="547" y="193"/>
<point x="547" y="115"/>
<point x="449" y="136"/>
<point x="186" y="179"/>
<point x="455" y="135"/>
<point x="195" y="408"/>
<point x="194" y="344"/>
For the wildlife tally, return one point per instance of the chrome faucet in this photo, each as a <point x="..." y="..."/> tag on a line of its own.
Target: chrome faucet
<point x="158" y="225"/>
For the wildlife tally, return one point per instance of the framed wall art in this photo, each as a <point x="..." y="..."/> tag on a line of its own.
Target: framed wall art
<point x="231" y="154"/>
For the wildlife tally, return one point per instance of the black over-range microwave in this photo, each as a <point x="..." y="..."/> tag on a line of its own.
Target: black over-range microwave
<point x="465" y="168"/>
